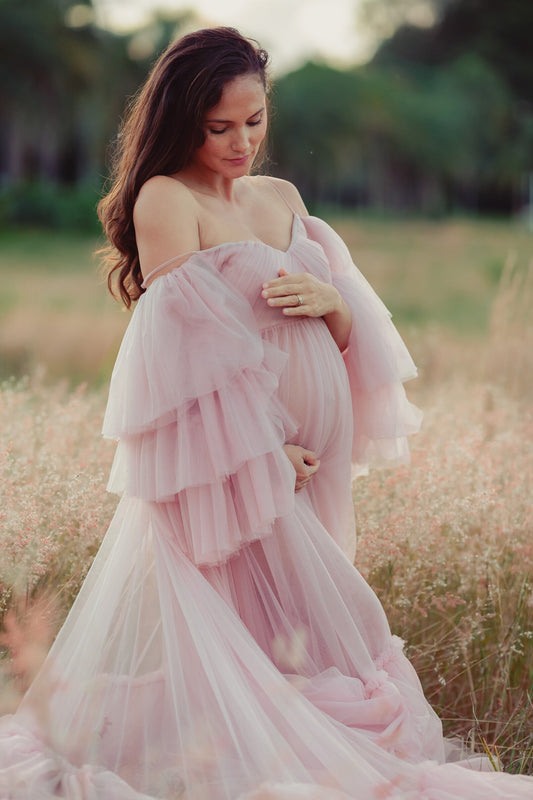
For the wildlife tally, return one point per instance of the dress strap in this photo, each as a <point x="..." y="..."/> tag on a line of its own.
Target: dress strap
<point x="278" y="190"/>
<point x="165" y="264"/>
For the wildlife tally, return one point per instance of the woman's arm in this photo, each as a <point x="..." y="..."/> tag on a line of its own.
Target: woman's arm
<point x="319" y="299"/>
<point x="339" y="322"/>
<point x="166" y="222"/>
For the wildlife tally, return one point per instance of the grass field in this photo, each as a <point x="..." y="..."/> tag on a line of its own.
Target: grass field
<point x="55" y="311"/>
<point x="446" y="543"/>
<point x="435" y="277"/>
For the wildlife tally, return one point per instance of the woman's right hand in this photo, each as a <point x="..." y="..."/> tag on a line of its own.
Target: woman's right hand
<point x="305" y="462"/>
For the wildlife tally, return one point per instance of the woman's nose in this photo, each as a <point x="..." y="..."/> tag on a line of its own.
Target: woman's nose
<point x="240" y="140"/>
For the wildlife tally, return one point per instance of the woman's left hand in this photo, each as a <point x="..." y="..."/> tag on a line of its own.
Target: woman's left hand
<point x="301" y="294"/>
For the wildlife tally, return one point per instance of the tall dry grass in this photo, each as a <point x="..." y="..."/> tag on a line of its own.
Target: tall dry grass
<point x="446" y="543"/>
<point x="53" y="470"/>
<point x="510" y="356"/>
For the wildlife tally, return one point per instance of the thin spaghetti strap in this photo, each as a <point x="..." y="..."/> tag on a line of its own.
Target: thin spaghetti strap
<point x="165" y="264"/>
<point x="278" y="190"/>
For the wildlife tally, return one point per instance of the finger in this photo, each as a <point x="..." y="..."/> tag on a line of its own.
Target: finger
<point x="301" y="279"/>
<point x="306" y="310"/>
<point x="311" y="470"/>
<point x="295" y="276"/>
<point x="287" y="301"/>
<point x="309" y="456"/>
<point x="284" y="290"/>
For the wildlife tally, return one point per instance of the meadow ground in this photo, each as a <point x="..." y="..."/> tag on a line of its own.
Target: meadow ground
<point x="434" y="276"/>
<point x="447" y="543"/>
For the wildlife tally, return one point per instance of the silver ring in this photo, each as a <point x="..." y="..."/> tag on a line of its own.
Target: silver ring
<point x="300" y="299"/>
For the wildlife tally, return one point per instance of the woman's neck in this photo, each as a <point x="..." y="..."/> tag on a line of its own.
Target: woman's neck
<point x="209" y="183"/>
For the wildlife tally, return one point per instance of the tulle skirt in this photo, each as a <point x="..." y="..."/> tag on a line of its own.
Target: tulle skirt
<point x="272" y="675"/>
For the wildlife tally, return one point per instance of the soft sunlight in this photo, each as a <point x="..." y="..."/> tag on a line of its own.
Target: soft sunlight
<point x="292" y="32"/>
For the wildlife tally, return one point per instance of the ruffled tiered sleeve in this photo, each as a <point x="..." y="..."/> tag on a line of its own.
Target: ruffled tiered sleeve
<point x="193" y="402"/>
<point x="377" y="362"/>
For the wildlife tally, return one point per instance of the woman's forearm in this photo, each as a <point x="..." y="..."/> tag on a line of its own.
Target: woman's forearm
<point x="339" y="322"/>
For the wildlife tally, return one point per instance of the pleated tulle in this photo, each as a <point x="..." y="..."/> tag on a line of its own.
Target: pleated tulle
<point x="314" y="388"/>
<point x="377" y="362"/>
<point x="189" y="335"/>
<point x="166" y="681"/>
<point x="202" y="426"/>
<point x="223" y="646"/>
<point x="210" y="439"/>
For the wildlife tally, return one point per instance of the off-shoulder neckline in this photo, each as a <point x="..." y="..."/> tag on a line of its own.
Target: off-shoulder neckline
<point x="295" y="218"/>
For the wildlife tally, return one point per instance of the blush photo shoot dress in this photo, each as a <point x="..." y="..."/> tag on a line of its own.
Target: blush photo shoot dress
<point x="223" y="646"/>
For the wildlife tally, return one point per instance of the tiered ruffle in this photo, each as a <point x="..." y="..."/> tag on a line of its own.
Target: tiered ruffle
<point x="193" y="401"/>
<point x="377" y="362"/>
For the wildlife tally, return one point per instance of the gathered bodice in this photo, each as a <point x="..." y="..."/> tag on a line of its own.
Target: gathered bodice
<point x="195" y="332"/>
<point x="247" y="264"/>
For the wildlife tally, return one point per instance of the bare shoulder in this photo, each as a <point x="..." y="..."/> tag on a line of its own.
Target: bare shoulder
<point x="290" y="193"/>
<point x="166" y="221"/>
<point x="162" y="195"/>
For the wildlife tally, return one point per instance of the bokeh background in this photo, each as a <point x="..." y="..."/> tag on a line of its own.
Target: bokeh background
<point x="407" y="124"/>
<point x="412" y="120"/>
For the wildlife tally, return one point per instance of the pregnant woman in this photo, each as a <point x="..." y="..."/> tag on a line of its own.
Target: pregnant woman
<point x="223" y="646"/>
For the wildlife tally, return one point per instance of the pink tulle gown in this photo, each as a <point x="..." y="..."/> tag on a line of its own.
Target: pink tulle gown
<point x="223" y="647"/>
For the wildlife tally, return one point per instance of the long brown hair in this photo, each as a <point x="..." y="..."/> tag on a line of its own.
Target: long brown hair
<point x="162" y="129"/>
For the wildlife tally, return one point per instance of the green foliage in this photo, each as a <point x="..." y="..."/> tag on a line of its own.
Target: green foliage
<point x="50" y="206"/>
<point x="432" y="139"/>
<point x="435" y="122"/>
<point x="313" y="126"/>
<point x="64" y="83"/>
<point x="496" y="32"/>
<point x="440" y="120"/>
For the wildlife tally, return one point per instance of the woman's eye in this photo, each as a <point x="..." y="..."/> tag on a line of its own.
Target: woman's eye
<point x="257" y="122"/>
<point x="219" y="130"/>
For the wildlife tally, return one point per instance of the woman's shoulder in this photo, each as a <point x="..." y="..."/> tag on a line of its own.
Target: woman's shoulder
<point x="161" y="190"/>
<point x="166" y="221"/>
<point x="288" y="191"/>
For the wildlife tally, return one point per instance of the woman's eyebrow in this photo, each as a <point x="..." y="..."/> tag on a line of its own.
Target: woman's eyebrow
<point x="227" y="121"/>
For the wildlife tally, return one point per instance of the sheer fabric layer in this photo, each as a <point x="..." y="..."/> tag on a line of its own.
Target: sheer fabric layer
<point x="194" y="402"/>
<point x="377" y="362"/>
<point x="271" y="675"/>
<point x="223" y="647"/>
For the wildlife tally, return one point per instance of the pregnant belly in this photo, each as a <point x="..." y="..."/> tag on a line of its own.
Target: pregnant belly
<point x="314" y="385"/>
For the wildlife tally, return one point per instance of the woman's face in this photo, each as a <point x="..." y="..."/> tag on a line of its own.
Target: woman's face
<point x="234" y="128"/>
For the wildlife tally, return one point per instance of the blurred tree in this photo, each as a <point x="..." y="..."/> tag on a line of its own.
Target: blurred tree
<point x="385" y="17"/>
<point x="313" y="128"/>
<point x="428" y="140"/>
<point x="46" y="69"/>
<point x="497" y="32"/>
<point x="441" y="117"/>
<point x="63" y="86"/>
<point x="482" y="48"/>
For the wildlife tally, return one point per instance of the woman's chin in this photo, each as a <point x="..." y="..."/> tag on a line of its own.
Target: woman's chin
<point x="238" y="166"/>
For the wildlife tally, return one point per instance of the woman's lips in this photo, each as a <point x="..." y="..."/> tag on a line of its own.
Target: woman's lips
<point x="237" y="162"/>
